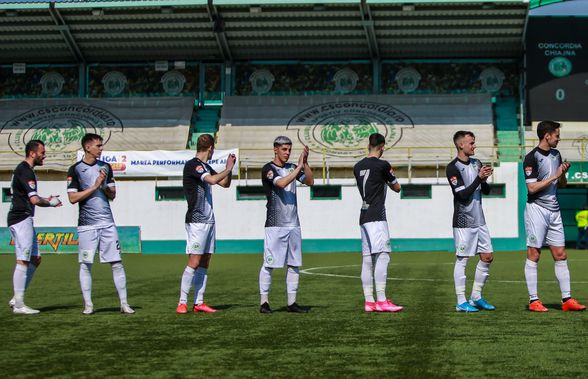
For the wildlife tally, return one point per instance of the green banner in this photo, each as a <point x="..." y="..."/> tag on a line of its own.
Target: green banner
<point x="64" y="240"/>
<point x="578" y="173"/>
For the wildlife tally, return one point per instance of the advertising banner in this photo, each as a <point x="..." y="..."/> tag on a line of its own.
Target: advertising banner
<point x="64" y="240"/>
<point x="578" y="173"/>
<point x="160" y="162"/>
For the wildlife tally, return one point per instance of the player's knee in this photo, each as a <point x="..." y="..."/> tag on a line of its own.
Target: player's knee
<point x="293" y="269"/>
<point x="86" y="267"/>
<point x="36" y="261"/>
<point x="487" y="258"/>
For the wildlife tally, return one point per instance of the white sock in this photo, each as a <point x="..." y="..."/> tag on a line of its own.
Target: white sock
<point x="120" y="281"/>
<point x="200" y="278"/>
<point x="31" y="268"/>
<point x="86" y="282"/>
<point x="367" y="277"/>
<point x="459" y="278"/>
<point x="265" y="283"/>
<point x="186" y="284"/>
<point x="19" y="280"/>
<point x="292" y="280"/>
<point x="482" y="273"/>
<point x="562" y="273"/>
<point x="381" y="275"/>
<point x="531" y="278"/>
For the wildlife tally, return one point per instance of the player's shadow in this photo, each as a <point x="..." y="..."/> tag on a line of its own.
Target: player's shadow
<point x="114" y="309"/>
<point x="306" y="308"/>
<point x="224" y="307"/>
<point x="553" y="306"/>
<point x="52" y="308"/>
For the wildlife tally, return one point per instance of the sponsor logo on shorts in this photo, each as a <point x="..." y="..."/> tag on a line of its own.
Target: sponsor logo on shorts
<point x="388" y="243"/>
<point x="461" y="248"/>
<point x="199" y="169"/>
<point x="270" y="175"/>
<point x="532" y="238"/>
<point x="86" y="254"/>
<point x="528" y="170"/>
<point x="32" y="184"/>
<point x="453" y="180"/>
<point x="27" y="254"/>
<point x="269" y="259"/>
<point x="196" y="246"/>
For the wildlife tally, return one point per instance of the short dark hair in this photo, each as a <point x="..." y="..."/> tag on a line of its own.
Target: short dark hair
<point x="90" y="137"/>
<point x="204" y="142"/>
<point x="460" y="134"/>
<point x="376" y="139"/>
<point x="33" y="145"/>
<point x="545" y="127"/>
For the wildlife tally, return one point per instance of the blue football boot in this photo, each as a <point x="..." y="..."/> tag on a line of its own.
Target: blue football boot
<point x="466" y="307"/>
<point x="482" y="304"/>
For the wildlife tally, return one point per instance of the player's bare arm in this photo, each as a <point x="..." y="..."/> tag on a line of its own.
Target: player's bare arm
<point x="75" y="197"/>
<point x="51" y="201"/>
<point x="286" y="180"/>
<point x="308" y="176"/>
<point x="560" y="175"/>
<point x="226" y="182"/>
<point x="224" y="175"/>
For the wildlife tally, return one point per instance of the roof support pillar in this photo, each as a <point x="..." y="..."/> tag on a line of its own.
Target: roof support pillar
<point x="66" y="34"/>
<point x="368" y="27"/>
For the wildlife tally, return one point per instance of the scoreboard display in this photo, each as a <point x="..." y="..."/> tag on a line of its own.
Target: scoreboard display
<point x="556" y="66"/>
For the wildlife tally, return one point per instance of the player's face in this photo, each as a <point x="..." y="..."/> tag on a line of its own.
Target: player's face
<point x="553" y="138"/>
<point x="282" y="152"/>
<point x="94" y="148"/>
<point x="468" y="145"/>
<point x="38" y="155"/>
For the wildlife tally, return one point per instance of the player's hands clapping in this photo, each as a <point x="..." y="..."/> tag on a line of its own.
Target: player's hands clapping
<point x="231" y="161"/>
<point x="485" y="172"/>
<point x="54" y="201"/>
<point x="303" y="159"/>
<point x="100" y="179"/>
<point x="562" y="169"/>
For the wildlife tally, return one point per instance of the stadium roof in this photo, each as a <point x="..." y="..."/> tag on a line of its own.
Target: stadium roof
<point x="73" y="31"/>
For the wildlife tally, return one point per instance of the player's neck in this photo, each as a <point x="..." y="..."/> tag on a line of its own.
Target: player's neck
<point x="30" y="162"/>
<point x="278" y="162"/>
<point x="202" y="155"/>
<point x="89" y="159"/>
<point x="463" y="157"/>
<point x="544" y="145"/>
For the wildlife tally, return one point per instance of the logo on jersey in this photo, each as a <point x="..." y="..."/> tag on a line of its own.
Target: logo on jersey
<point x="199" y="169"/>
<point x="270" y="175"/>
<point x="341" y="129"/>
<point x="453" y="180"/>
<point x="32" y="184"/>
<point x="528" y="170"/>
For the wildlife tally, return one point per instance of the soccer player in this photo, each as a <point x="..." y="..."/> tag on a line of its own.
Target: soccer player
<point x="373" y="175"/>
<point x="468" y="180"/>
<point x="90" y="183"/>
<point x="283" y="241"/>
<point x="200" y="228"/>
<point x="544" y="171"/>
<point x="20" y="223"/>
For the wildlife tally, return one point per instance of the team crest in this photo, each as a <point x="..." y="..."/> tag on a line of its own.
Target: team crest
<point x="461" y="247"/>
<point x="32" y="184"/>
<point x="199" y="169"/>
<point x="528" y="170"/>
<point x="196" y="246"/>
<point x="532" y="238"/>
<point x="453" y="180"/>
<point x="270" y="175"/>
<point x="269" y="259"/>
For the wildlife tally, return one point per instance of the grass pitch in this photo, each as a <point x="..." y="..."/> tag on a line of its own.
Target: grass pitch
<point x="335" y="339"/>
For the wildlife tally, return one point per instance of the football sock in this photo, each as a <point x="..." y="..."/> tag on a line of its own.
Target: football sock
<point x="120" y="281"/>
<point x="186" y="284"/>
<point x="381" y="275"/>
<point x="265" y="283"/>
<point x="19" y="280"/>
<point x="562" y="273"/>
<point x="482" y="272"/>
<point x="531" y="278"/>
<point x="292" y="279"/>
<point x="200" y="277"/>
<point x="459" y="278"/>
<point x="31" y="268"/>
<point x="367" y="277"/>
<point x="86" y="282"/>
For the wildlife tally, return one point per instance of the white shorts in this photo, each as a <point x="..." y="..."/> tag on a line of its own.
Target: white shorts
<point x="375" y="237"/>
<point x="105" y="239"/>
<point x="25" y="240"/>
<point x="282" y="246"/>
<point x="544" y="227"/>
<point x="472" y="241"/>
<point x="200" y="238"/>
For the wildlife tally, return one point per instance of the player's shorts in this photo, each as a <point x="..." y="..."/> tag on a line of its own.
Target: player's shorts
<point x="472" y="241"/>
<point x="25" y="240"/>
<point x="544" y="227"/>
<point x="375" y="238"/>
<point x="103" y="239"/>
<point x="200" y="238"/>
<point x="282" y="246"/>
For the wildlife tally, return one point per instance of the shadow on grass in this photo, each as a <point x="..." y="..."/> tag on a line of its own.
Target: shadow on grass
<point x="114" y="309"/>
<point x="52" y="308"/>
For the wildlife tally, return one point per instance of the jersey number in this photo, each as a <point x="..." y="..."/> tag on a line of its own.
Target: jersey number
<point x="365" y="174"/>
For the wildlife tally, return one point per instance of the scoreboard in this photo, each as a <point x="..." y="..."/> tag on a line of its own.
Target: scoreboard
<point x="556" y="66"/>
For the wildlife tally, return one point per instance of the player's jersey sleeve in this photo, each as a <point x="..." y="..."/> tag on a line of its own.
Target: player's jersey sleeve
<point x="110" y="176"/>
<point x="199" y="171"/>
<point x="27" y="181"/>
<point x="454" y="178"/>
<point x="268" y="176"/>
<point x="389" y="176"/>
<point x="73" y="181"/>
<point x="531" y="168"/>
<point x="300" y="177"/>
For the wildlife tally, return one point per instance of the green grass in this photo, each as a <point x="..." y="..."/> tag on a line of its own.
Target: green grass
<point x="336" y="339"/>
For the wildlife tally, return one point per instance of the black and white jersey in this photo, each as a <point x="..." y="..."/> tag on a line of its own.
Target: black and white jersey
<point x="467" y="188"/>
<point x="23" y="187"/>
<point x="539" y="165"/>
<point x="95" y="209"/>
<point x="282" y="206"/>
<point x="373" y="176"/>
<point x="198" y="192"/>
